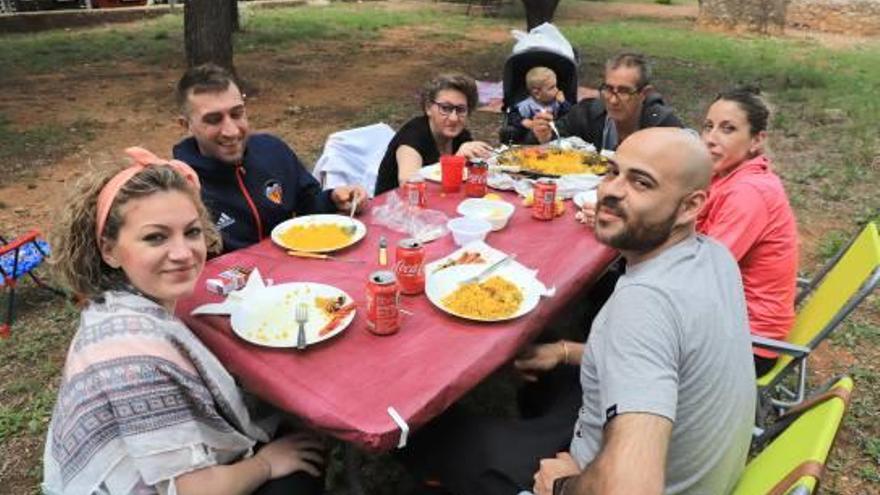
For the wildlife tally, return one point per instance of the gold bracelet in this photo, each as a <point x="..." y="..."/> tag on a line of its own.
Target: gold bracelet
<point x="564" y="352"/>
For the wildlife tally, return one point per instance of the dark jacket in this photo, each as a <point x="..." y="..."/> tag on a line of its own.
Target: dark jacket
<point x="587" y="119"/>
<point x="248" y="200"/>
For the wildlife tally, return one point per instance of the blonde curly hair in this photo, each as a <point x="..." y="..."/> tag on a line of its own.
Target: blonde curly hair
<point x="75" y="254"/>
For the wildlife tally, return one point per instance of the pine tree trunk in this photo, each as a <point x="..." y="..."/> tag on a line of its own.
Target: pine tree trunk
<point x="235" y="18"/>
<point x="539" y="11"/>
<point x="207" y="27"/>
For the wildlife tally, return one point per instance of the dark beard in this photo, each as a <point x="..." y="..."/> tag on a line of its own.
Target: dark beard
<point x="636" y="236"/>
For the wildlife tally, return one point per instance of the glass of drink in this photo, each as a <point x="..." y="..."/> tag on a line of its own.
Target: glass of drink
<point x="451" y="169"/>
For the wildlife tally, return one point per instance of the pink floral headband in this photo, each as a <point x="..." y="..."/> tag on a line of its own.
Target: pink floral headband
<point x="141" y="159"/>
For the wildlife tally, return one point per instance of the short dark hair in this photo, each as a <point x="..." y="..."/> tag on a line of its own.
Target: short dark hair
<point x="632" y="59"/>
<point x="455" y="81"/>
<point x="205" y="78"/>
<point x="748" y="98"/>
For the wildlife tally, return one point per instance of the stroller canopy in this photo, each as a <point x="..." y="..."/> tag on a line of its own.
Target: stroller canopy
<point x="542" y="46"/>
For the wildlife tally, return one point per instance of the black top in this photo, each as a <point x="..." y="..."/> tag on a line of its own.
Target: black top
<point x="417" y="134"/>
<point x="587" y="119"/>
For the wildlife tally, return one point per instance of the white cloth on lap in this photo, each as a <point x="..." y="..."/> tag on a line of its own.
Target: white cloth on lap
<point x="353" y="156"/>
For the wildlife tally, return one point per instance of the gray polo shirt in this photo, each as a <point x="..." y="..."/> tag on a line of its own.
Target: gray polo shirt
<point x="673" y="340"/>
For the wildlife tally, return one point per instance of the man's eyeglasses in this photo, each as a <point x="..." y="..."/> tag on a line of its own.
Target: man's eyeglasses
<point x="622" y="92"/>
<point x="446" y="109"/>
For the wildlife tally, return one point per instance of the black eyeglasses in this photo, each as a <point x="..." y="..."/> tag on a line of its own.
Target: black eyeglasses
<point x="446" y="109"/>
<point x="622" y="92"/>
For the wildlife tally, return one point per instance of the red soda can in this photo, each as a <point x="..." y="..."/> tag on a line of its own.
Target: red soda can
<point x="415" y="192"/>
<point x="383" y="314"/>
<point x="409" y="266"/>
<point x="476" y="184"/>
<point x="544" y="207"/>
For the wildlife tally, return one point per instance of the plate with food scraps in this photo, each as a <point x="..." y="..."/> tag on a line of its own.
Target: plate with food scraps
<point x="507" y="293"/>
<point x="318" y="233"/>
<point x="433" y="173"/>
<point x="267" y="318"/>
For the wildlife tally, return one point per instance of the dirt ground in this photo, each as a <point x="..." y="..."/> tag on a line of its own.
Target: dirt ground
<point x="132" y="104"/>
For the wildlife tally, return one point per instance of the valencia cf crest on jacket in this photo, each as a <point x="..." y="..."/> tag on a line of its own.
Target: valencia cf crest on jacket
<point x="274" y="191"/>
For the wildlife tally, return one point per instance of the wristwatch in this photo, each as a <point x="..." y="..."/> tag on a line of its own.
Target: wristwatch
<point x="559" y="484"/>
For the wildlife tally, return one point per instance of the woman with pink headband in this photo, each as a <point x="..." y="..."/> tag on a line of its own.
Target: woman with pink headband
<point x="144" y="407"/>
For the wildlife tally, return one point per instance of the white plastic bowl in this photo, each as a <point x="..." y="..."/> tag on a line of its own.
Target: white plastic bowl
<point x="497" y="213"/>
<point x="466" y="229"/>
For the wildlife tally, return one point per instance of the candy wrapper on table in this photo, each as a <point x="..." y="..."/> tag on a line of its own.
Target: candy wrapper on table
<point x="422" y="224"/>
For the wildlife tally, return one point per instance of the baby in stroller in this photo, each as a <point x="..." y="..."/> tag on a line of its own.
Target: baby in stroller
<point x="545" y="97"/>
<point x="541" y="59"/>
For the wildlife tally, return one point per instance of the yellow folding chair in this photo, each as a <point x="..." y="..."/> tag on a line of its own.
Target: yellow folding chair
<point x="834" y="293"/>
<point x="792" y="464"/>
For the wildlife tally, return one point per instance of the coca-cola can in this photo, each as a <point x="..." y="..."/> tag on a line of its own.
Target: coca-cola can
<point x="409" y="266"/>
<point x="383" y="314"/>
<point x="415" y="192"/>
<point x="476" y="185"/>
<point x="544" y="206"/>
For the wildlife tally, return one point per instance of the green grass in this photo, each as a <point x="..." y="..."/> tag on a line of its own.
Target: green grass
<point x="280" y="27"/>
<point x="160" y="41"/>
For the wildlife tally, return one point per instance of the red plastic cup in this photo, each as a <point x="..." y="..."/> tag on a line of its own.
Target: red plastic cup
<point x="451" y="170"/>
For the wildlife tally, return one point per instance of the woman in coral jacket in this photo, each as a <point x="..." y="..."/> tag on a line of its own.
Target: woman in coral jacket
<point x="749" y="212"/>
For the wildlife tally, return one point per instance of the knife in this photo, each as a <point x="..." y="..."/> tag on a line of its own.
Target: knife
<point x="321" y="256"/>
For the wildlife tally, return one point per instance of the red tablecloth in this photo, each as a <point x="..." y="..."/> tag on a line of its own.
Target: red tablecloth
<point x="345" y="385"/>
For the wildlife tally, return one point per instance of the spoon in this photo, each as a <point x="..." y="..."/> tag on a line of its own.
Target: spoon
<point x="555" y="130"/>
<point x="351" y="228"/>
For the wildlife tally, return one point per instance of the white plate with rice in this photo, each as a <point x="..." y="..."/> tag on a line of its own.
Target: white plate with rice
<point x="444" y="283"/>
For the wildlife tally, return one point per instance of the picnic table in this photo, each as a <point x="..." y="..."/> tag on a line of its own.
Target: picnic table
<point x="344" y="386"/>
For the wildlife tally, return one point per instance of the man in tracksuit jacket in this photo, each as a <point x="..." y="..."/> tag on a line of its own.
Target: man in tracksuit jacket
<point x="628" y="103"/>
<point x="249" y="182"/>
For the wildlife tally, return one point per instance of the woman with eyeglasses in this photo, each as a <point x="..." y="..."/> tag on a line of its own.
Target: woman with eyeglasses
<point x="447" y="101"/>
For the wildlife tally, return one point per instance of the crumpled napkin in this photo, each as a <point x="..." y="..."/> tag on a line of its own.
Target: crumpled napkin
<point x="235" y="298"/>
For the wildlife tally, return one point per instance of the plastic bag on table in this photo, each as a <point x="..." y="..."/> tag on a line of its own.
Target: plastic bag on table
<point x="420" y="223"/>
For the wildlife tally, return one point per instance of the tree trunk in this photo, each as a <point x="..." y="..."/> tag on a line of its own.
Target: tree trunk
<point x="235" y="18"/>
<point x="207" y="27"/>
<point x="539" y="12"/>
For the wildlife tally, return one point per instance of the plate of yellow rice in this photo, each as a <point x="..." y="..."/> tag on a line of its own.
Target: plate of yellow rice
<point x="318" y="233"/>
<point x="506" y="294"/>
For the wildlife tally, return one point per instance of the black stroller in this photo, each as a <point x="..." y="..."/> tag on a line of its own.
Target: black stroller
<point x="515" y="90"/>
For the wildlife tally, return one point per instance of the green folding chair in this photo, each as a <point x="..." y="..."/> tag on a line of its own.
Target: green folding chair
<point x="793" y="462"/>
<point x="832" y="295"/>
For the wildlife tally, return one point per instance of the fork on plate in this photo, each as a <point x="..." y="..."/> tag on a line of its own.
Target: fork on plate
<point x="301" y="314"/>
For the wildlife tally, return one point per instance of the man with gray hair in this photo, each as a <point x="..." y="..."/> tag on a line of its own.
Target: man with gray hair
<point x="628" y="102"/>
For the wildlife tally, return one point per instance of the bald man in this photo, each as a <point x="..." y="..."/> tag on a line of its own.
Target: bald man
<point x="668" y="384"/>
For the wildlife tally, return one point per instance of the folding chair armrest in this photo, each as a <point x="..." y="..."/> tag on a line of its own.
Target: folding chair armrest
<point x="793" y="350"/>
<point x="19" y="241"/>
